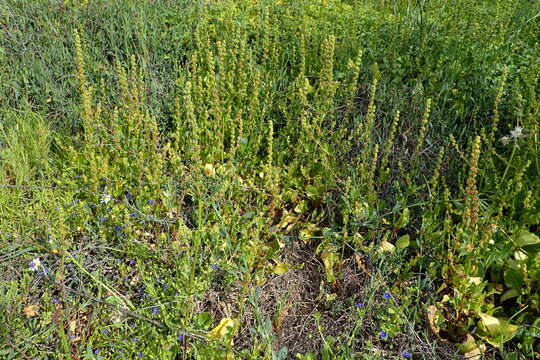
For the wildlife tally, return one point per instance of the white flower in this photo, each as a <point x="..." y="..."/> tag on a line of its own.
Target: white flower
<point x="505" y="140"/>
<point x="105" y="198"/>
<point x="35" y="264"/>
<point x="517" y="132"/>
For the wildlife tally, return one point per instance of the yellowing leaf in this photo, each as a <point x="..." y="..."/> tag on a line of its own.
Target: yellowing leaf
<point x="386" y="247"/>
<point x="470" y="349"/>
<point x="280" y="269"/>
<point x="225" y="326"/>
<point x="209" y="170"/>
<point x="328" y="261"/>
<point x="30" y="310"/>
<point x="493" y="325"/>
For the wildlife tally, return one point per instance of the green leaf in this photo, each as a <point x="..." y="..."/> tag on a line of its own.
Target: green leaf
<point x="513" y="278"/>
<point x="203" y="320"/>
<point x="526" y="239"/>
<point x="403" y="219"/>
<point x="509" y="294"/>
<point x="403" y="241"/>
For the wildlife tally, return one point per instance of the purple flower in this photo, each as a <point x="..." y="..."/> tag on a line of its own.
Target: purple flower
<point x="360" y="305"/>
<point x="35" y="358"/>
<point x="132" y="215"/>
<point x="151" y="202"/>
<point x="73" y="337"/>
<point x="387" y="295"/>
<point x="383" y="334"/>
<point x="214" y="267"/>
<point x="139" y="354"/>
<point x="166" y="286"/>
<point x="54" y="300"/>
<point x="105" y="332"/>
<point x="102" y="218"/>
<point x="96" y="351"/>
<point x="77" y="176"/>
<point x="135" y="339"/>
<point x="155" y="310"/>
<point x="406" y="354"/>
<point x="180" y="338"/>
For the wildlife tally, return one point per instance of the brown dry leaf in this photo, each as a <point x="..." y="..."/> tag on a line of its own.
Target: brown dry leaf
<point x="433" y="316"/>
<point x="30" y="310"/>
<point x="360" y="264"/>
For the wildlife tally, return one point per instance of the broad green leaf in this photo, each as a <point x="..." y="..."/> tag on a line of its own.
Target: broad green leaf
<point x="403" y="241"/>
<point x="525" y="239"/>
<point x="509" y="294"/>
<point x="513" y="278"/>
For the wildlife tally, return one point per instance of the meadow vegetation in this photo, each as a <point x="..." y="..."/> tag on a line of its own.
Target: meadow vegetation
<point x="269" y="179"/>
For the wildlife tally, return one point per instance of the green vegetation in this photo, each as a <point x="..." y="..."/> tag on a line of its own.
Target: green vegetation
<point x="269" y="179"/>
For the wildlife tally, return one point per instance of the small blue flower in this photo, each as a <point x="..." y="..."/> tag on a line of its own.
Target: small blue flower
<point x="180" y="338"/>
<point x="73" y="337"/>
<point x="77" y="176"/>
<point x="387" y="295"/>
<point x="139" y="354"/>
<point x="360" y="305"/>
<point x="132" y="262"/>
<point x="383" y="334"/>
<point x="166" y="286"/>
<point x="54" y="300"/>
<point x="214" y="267"/>
<point x="135" y="339"/>
<point x="105" y="332"/>
<point x="97" y="351"/>
<point x="151" y="202"/>
<point x="132" y="215"/>
<point x="155" y="310"/>
<point x="103" y="178"/>
<point x="102" y="218"/>
<point x="406" y="354"/>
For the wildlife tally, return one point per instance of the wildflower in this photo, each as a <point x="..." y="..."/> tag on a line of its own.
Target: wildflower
<point x="517" y="132"/>
<point x="155" y="310"/>
<point x="406" y="354"/>
<point x="387" y="295"/>
<point x="360" y="305"/>
<point x="35" y="264"/>
<point x="105" y="332"/>
<point x="214" y="267"/>
<point x="132" y="262"/>
<point x="73" y="337"/>
<point x="151" y="202"/>
<point x="97" y="351"/>
<point x="180" y="338"/>
<point x="166" y="286"/>
<point x="105" y="198"/>
<point x="505" y="140"/>
<point x="103" y="178"/>
<point x="383" y="334"/>
<point x="132" y="215"/>
<point x="77" y="176"/>
<point x="54" y="300"/>
<point x="135" y="339"/>
<point x="139" y="354"/>
<point x="102" y="218"/>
